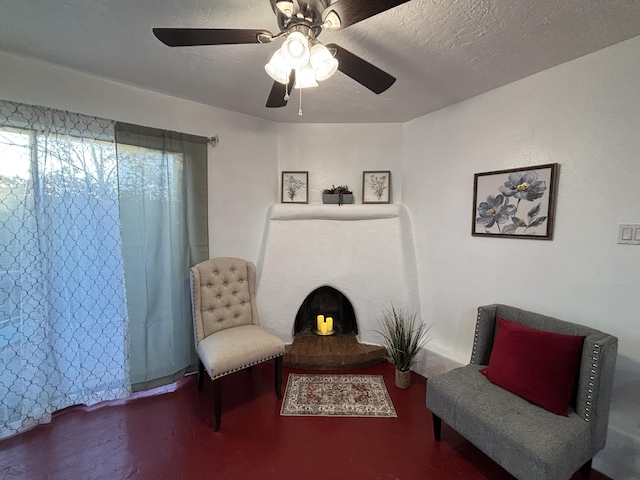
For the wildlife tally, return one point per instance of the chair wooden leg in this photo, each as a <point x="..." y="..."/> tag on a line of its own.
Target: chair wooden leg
<point x="585" y="470"/>
<point x="278" y="379"/>
<point x="200" y="375"/>
<point x="437" y="427"/>
<point x="217" y="403"/>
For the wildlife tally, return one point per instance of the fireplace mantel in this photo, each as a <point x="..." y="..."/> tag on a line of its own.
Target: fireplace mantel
<point x="364" y="251"/>
<point x="334" y="212"/>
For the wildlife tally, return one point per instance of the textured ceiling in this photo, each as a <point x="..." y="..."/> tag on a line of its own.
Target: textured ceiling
<point x="441" y="51"/>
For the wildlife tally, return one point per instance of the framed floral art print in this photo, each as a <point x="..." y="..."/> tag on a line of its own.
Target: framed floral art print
<point x="376" y="186"/>
<point x="295" y="187"/>
<point x="516" y="203"/>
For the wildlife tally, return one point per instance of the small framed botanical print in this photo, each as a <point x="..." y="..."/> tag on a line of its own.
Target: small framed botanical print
<point x="295" y="187"/>
<point x="376" y="186"/>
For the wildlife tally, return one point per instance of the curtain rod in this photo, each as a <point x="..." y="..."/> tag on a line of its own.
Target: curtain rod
<point x="213" y="141"/>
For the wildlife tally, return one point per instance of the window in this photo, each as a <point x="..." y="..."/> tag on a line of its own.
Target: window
<point x="63" y="322"/>
<point x="78" y="218"/>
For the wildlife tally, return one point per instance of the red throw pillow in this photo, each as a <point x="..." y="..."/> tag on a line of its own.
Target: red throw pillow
<point x="536" y="365"/>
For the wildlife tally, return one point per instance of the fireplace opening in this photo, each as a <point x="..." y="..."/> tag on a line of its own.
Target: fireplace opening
<point x="342" y="350"/>
<point x="329" y="302"/>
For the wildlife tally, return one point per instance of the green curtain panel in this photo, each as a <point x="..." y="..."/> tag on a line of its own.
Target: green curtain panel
<point x="162" y="178"/>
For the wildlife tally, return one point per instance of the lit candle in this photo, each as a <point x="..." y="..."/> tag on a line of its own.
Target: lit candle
<point x="323" y="327"/>
<point x="329" y="324"/>
<point x="320" y="322"/>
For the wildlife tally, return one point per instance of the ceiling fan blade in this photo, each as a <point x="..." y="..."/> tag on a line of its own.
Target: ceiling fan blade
<point x="362" y="71"/>
<point x="276" y="97"/>
<point x="187" y="37"/>
<point x="354" y="11"/>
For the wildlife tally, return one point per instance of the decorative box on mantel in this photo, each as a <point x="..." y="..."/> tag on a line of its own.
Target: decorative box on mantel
<point x="335" y="198"/>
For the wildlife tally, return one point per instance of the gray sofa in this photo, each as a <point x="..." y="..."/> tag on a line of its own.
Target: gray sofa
<point x="526" y="440"/>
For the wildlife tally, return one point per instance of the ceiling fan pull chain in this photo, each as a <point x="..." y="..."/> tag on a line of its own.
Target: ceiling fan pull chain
<point x="286" y="89"/>
<point x="300" y="107"/>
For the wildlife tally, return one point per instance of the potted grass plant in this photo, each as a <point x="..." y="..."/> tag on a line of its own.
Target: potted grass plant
<point x="339" y="195"/>
<point x="403" y="337"/>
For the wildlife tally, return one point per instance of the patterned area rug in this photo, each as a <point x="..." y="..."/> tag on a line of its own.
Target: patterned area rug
<point x="337" y="396"/>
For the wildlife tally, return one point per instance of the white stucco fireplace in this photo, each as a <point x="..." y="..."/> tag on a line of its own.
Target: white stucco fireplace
<point x="364" y="251"/>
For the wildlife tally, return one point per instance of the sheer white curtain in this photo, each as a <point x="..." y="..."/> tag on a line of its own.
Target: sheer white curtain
<point x="163" y="204"/>
<point x="63" y="323"/>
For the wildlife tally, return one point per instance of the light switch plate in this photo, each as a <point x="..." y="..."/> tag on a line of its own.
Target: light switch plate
<point x="629" y="234"/>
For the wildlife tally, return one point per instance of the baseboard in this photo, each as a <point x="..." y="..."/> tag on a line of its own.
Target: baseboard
<point x="620" y="459"/>
<point x="434" y="360"/>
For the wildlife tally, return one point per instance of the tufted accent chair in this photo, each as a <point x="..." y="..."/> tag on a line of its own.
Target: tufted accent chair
<point x="528" y="441"/>
<point x="227" y="330"/>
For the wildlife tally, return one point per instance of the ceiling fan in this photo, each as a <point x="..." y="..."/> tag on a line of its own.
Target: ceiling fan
<point x="302" y="60"/>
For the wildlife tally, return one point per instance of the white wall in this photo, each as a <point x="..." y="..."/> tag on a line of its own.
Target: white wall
<point x="584" y="115"/>
<point x="337" y="154"/>
<point x="243" y="168"/>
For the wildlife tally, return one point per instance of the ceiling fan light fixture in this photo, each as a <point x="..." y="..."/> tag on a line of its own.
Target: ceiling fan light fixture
<point x="286" y="8"/>
<point x="300" y="22"/>
<point x="332" y="21"/>
<point x="305" y="77"/>
<point x="295" y="50"/>
<point x="322" y="61"/>
<point x="277" y="68"/>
